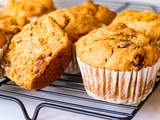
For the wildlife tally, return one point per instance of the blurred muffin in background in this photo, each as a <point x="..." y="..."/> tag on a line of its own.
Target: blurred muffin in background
<point x="147" y="22"/>
<point x="10" y="25"/>
<point x="103" y="14"/>
<point x="28" y="8"/>
<point x="75" y="24"/>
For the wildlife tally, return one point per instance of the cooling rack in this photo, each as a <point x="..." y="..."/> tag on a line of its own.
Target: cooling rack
<point x="70" y="87"/>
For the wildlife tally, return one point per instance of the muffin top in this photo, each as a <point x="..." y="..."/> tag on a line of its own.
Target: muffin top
<point x="12" y="25"/>
<point x="28" y="8"/>
<point x="74" y="23"/>
<point x="147" y="22"/>
<point x="117" y="48"/>
<point x="102" y="13"/>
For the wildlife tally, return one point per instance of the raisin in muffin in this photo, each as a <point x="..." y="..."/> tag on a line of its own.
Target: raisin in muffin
<point x="28" y="8"/>
<point x="103" y="14"/>
<point x="147" y="22"/>
<point x="75" y="24"/>
<point x="38" y="55"/>
<point x="118" y="64"/>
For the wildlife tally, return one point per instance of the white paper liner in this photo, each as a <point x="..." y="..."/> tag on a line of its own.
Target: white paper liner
<point x="128" y="87"/>
<point x="73" y="67"/>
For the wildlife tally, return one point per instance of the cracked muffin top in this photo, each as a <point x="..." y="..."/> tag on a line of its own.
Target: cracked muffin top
<point x="75" y="24"/>
<point x="103" y="14"/>
<point x="28" y="8"/>
<point x="147" y="22"/>
<point x="117" y="48"/>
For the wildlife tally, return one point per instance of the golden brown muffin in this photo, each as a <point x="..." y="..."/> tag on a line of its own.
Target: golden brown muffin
<point x="74" y="23"/>
<point x="118" y="64"/>
<point x="102" y="13"/>
<point x="12" y="25"/>
<point x="147" y="22"/>
<point x="28" y="8"/>
<point x="38" y="55"/>
<point x="117" y="48"/>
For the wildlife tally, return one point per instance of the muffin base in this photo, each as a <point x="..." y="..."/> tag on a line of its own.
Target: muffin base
<point x="127" y="87"/>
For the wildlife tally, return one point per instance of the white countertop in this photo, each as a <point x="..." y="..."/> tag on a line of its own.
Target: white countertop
<point x="11" y="111"/>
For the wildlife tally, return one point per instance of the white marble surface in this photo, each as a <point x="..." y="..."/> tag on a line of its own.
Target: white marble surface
<point x="11" y="111"/>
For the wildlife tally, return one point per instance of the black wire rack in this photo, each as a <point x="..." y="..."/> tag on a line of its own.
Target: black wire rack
<point x="70" y="87"/>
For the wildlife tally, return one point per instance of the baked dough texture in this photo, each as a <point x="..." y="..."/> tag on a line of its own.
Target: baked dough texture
<point x="147" y="22"/>
<point x="75" y="24"/>
<point x="102" y="13"/>
<point x="38" y="55"/>
<point x="28" y="8"/>
<point x="117" y="48"/>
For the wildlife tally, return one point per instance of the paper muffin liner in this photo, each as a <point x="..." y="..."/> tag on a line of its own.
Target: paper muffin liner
<point x="127" y="87"/>
<point x="73" y="67"/>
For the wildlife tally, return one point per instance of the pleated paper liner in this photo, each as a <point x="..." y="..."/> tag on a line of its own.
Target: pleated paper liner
<point x="127" y="87"/>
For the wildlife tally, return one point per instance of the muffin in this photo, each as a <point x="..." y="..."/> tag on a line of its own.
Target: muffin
<point x="103" y="14"/>
<point x="118" y="64"/>
<point x="28" y="8"/>
<point x="12" y="25"/>
<point x="38" y="55"/>
<point x="3" y="47"/>
<point x="147" y="22"/>
<point x="75" y="24"/>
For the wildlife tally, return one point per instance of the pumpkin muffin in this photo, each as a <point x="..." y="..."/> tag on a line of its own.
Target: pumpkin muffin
<point x="75" y="24"/>
<point x="38" y="55"/>
<point x="28" y="8"/>
<point x="147" y="22"/>
<point x="118" y="64"/>
<point x="103" y="14"/>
